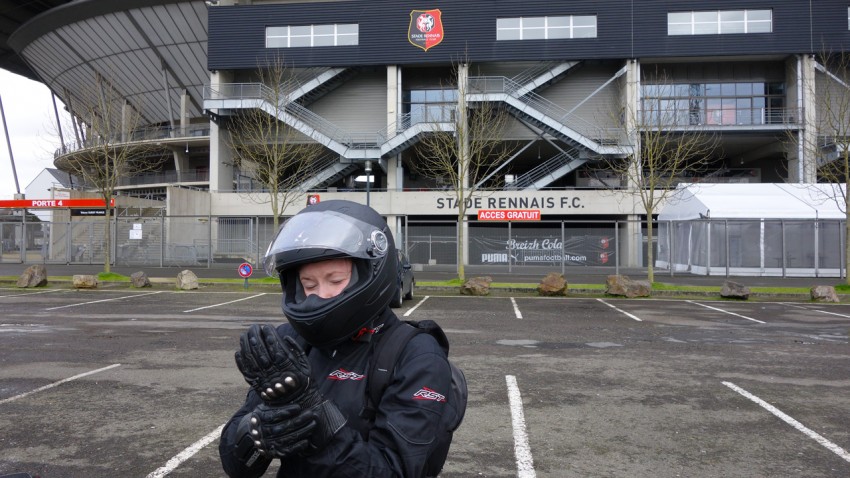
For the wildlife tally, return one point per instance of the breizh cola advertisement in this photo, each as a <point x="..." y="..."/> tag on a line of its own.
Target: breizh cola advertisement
<point x="542" y="247"/>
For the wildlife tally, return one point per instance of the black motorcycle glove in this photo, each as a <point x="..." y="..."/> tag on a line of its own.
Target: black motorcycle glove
<point x="278" y="432"/>
<point x="280" y="372"/>
<point x="265" y="363"/>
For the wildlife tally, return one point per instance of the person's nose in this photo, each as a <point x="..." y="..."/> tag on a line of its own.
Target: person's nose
<point x="326" y="291"/>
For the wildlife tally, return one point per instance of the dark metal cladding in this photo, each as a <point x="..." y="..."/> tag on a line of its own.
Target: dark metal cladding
<point x="625" y="29"/>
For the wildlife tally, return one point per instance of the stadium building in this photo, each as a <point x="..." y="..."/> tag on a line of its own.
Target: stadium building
<point x="577" y="82"/>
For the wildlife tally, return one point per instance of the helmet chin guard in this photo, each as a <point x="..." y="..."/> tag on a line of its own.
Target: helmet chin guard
<point x="332" y="230"/>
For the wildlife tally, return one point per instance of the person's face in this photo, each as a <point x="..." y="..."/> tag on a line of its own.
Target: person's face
<point x="325" y="279"/>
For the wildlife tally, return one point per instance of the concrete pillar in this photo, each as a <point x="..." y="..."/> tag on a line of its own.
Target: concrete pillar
<point x="221" y="155"/>
<point x="184" y="113"/>
<point x="126" y="110"/>
<point x="806" y="169"/>
<point x="631" y="240"/>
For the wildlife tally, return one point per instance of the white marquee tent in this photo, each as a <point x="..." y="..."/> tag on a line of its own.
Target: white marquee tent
<point x="753" y="229"/>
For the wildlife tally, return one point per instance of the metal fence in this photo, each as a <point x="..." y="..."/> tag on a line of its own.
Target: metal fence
<point x="781" y="248"/>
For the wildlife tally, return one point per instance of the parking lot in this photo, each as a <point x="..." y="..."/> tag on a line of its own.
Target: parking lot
<point x="138" y="383"/>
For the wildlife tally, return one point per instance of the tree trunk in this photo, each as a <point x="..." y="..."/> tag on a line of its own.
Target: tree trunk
<point x="461" y="271"/>
<point x="107" y="246"/>
<point x="650" y="255"/>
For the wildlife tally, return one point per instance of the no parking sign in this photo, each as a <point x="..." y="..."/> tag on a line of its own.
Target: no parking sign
<point x="245" y="270"/>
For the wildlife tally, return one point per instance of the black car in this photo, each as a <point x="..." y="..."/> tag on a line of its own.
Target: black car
<point x="406" y="281"/>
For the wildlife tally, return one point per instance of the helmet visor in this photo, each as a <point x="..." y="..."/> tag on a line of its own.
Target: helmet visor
<point x="327" y="230"/>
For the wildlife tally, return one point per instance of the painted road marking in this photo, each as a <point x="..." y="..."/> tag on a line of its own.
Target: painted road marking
<point x="223" y="303"/>
<point x="105" y="300"/>
<point x="29" y="293"/>
<point x="794" y="423"/>
<point x="516" y="309"/>
<point x="184" y="455"/>
<point x="620" y="310"/>
<point x="817" y="310"/>
<point x="55" y="384"/>
<point x="416" y="306"/>
<point x="724" y="311"/>
<point x="524" y="460"/>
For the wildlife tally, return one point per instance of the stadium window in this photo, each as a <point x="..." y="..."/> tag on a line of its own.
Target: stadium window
<point x="312" y="35"/>
<point x="546" y="28"/>
<point x="721" y="22"/>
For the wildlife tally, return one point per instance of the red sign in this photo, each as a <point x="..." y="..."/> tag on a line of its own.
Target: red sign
<point x="509" y="215"/>
<point x="245" y="270"/>
<point x="53" y="203"/>
<point x="313" y="199"/>
<point x="425" y="29"/>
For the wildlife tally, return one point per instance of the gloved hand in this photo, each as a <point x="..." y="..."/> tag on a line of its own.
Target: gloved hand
<point x="278" y="432"/>
<point x="267" y="366"/>
<point x="280" y="372"/>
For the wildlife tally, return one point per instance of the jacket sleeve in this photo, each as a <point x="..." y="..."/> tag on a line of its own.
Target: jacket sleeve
<point x="406" y="424"/>
<point x="236" y="450"/>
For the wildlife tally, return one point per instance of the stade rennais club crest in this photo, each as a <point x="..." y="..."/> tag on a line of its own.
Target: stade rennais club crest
<point x="426" y="28"/>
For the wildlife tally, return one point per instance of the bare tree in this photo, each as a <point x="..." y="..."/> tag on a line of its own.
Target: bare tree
<point x="826" y="137"/>
<point x="464" y="149"/>
<point x="668" y="145"/>
<point x="265" y="148"/>
<point x="114" y="147"/>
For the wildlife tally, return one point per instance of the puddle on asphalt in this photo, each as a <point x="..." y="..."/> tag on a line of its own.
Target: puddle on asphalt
<point x="554" y="345"/>
<point x="518" y="343"/>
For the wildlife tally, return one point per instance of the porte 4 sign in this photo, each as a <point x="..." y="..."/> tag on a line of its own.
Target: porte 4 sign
<point x="509" y="215"/>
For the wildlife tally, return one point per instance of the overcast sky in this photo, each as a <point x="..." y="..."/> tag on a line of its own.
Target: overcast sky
<point x="32" y="131"/>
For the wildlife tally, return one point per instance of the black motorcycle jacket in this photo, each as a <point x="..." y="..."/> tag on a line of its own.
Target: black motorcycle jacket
<point x="395" y="443"/>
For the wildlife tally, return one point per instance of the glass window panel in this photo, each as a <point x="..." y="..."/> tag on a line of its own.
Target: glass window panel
<point x="417" y="96"/>
<point x="681" y="90"/>
<point x="534" y="22"/>
<point x="296" y="42"/>
<point x="705" y="28"/>
<point x="533" y="33"/>
<point x="743" y="89"/>
<point x="758" y="88"/>
<point x="277" y="31"/>
<point x="679" y="29"/>
<point x="277" y="42"/>
<point x="345" y="40"/>
<point x="732" y="16"/>
<point x="559" y="21"/>
<point x="323" y="40"/>
<point x="728" y="103"/>
<point x="759" y="27"/>
<point x="348" y="28"/>
<point x="705" y="17"/>
<point x="584" y="21"/>
<point x="728" y="28"/>
<point x="584" y="32"/>
<point x="679" y="17"/>
<point x="507" y="34"/>
<point x="727" y="89"/>
<point x="776" y="88"/>
<point x="712" y="89"/>
<point x="758" y="102"/>
<point x="300" y="31"/>
<point x="558" y="33"/>
<point x="507" y="23"/>
<point x="759" y="15"/>
<point x="323" y="29"/>
<point x="433" y="96"/>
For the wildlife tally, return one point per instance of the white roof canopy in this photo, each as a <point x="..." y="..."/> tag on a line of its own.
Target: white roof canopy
<point x="755" y="201"/>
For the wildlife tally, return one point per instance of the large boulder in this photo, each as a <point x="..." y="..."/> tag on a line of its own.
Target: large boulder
<point x="477" y="286"/>
<point x="33" y="276"/>
<point x="621" y="285"/>
<point x="187" y="280"/>
<point x="734" y="290"/>
<point x="824" y="293"/>
<point x="84" y="281"/>
<point x="553" y="284"/>
<point x="140" y="279"/>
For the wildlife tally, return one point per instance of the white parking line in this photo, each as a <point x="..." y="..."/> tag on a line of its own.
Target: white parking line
<point x="223" y="303"/>
<point x="794" y="423"/>
<point x="621" y="311"/>
<point x="104" y="300"/>
<point x="415" y="306"/>
<point x="724" y="311"/>
<point x="817" y="310"/>
<point x="55" y="384"/>
<point x="516" y="309"/>
<point x="524" y="460"/>
<point x="29" y="293"/>
<point x="184" y="455"/>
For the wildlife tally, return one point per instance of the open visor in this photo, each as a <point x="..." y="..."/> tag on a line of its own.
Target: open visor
<point x="326" y="230"/>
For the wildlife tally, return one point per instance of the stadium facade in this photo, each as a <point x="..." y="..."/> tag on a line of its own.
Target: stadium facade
<point x="370" y="77"/>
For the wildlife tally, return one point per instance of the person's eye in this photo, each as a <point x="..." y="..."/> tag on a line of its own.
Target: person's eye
<point x="308" y="285"/>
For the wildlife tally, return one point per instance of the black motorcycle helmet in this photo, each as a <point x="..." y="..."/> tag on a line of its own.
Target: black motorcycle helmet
<point x="331" y="230"/>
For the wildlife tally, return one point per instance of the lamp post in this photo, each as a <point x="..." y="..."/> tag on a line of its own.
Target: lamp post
<point x="368" y="179"/>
